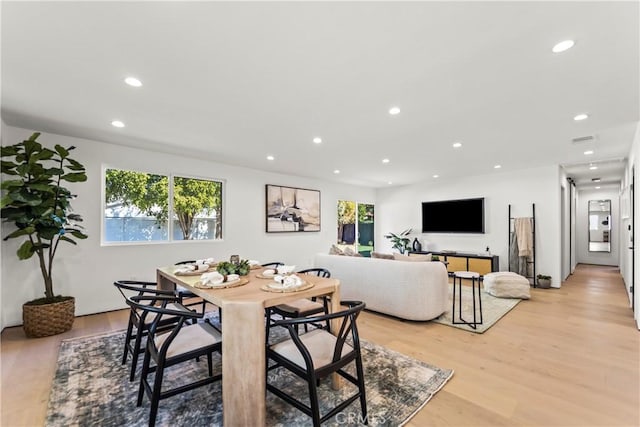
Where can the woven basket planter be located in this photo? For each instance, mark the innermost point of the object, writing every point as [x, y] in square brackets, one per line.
[48, 319]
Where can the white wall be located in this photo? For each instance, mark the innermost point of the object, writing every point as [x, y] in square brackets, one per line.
[88, 270]
[634, 162]
[582, 226]
[399, 208]
[567, 226]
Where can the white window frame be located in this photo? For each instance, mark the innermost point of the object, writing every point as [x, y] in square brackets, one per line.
[170, 226]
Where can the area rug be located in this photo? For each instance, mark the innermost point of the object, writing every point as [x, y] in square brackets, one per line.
[492, 310]
[91, 387]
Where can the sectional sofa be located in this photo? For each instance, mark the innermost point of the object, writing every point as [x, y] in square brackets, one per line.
[405, 289]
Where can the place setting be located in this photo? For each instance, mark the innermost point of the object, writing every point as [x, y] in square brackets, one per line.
[196, 268]
[215, 280]
[283, 279]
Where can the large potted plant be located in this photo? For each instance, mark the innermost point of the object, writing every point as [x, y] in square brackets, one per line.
[35, 201]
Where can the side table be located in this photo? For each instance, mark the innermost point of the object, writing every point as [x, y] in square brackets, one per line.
[457, 281]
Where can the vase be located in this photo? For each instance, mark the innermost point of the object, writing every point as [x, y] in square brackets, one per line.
[417, 246]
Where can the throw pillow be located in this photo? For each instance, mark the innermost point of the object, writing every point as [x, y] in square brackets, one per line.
[421, 257]
[412, 258]
[349, 251]
[334, 250]
[381, 255]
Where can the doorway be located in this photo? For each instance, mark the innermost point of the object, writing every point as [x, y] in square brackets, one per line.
[356, 226]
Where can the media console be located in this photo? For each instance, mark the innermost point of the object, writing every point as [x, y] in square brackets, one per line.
[461, 261]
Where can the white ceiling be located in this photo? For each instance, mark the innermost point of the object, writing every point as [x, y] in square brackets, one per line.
[235, 82]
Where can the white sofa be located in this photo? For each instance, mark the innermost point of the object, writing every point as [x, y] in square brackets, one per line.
[406, 289]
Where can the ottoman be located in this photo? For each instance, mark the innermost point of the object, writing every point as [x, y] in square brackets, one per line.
[506, 284]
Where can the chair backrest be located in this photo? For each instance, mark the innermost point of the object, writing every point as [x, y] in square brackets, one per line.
[273, 264]
[320, 272]
[347, 327]
[135, 288]
[147, 304]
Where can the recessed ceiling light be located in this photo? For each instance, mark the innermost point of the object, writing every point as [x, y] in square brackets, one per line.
[562, 46]
[588, 152]
[337, 171]
[394, 110]
[457, 144]
[132, 81]
[270, 158]
[593, 168]
[581, 116]
[117, 123]
[389, 182]
[595, 179]
[598, 187]
[385, 160]
[317, 140]
[436, 176]
[497, 166]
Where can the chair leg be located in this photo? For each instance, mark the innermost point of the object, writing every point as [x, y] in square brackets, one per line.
[136, 353]
[313, 400]
[143, 376]
[155, 396]
[210, 364]
[267, 324]
[127, 338]
[361, 389]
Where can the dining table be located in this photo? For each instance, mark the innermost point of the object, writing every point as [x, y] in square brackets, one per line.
[244, 334]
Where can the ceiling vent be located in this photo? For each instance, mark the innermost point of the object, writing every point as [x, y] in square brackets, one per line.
[583, 139]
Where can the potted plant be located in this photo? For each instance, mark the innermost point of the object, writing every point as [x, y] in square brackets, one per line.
[35, 201]
[544, 281]
[400, 241]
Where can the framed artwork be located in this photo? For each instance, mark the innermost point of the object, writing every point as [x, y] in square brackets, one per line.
[290, 209]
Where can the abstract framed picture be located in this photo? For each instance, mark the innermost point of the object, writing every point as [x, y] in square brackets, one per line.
[290, 209]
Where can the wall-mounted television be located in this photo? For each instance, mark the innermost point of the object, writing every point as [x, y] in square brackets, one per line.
[453, 216]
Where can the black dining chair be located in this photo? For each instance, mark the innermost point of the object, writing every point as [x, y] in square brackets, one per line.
[140, 321]
[184, 293]
[183, 342]
[317, 354]
[274, 264]
[302, 307]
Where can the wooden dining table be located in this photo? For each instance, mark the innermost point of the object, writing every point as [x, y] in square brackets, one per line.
[243, 336]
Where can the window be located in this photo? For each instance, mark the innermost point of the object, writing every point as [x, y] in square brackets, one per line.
[137, 207]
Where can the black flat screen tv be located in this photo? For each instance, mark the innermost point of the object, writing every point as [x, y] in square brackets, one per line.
[453, 216]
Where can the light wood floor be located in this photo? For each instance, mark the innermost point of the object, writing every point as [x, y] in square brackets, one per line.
[567, 357]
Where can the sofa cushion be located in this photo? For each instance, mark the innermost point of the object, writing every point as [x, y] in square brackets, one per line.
[420, 257]
[412, 257]
[506, 284]
[381, 255]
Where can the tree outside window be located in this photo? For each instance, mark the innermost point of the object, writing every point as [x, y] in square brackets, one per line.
[137, 207]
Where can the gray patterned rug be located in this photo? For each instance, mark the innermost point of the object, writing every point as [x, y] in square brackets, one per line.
[91, 387]
[493, 309]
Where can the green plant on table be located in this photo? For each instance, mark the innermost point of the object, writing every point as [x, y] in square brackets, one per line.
[242, 268]
[400, 241]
